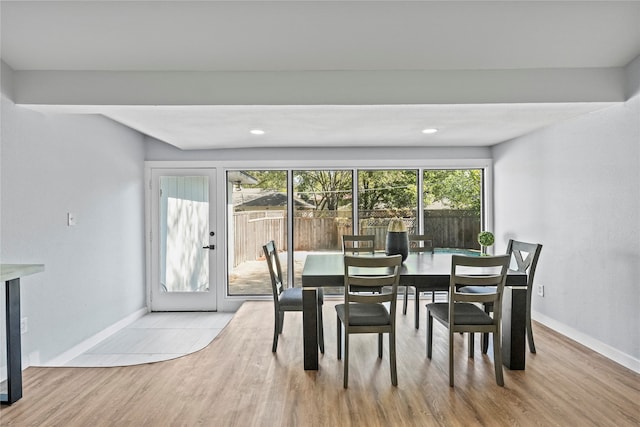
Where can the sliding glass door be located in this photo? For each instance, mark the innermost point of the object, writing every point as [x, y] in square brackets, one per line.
[452, 200]
[383, 195]
[257, 203]
[309, 210]
[322, 213]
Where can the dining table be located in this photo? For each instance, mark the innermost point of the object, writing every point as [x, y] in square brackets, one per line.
[429, 270]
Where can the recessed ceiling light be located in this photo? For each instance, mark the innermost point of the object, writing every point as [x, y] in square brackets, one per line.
[257, 131]
[429, 131]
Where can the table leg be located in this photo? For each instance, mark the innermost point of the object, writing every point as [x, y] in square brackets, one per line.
[14, 351]
[310, 327]
[514, 306]
[417, 308]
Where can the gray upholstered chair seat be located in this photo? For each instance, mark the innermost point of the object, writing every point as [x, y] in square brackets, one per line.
[464, 313]
[291, 299]
[364, 315]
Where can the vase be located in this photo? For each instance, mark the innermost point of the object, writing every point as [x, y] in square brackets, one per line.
[397, 244]
[397, 239]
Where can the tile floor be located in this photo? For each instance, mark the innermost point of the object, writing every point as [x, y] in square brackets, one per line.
[155, 337]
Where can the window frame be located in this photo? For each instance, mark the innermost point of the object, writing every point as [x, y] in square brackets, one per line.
[232, 302]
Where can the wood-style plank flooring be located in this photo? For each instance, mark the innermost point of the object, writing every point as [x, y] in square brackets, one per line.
[237, 381]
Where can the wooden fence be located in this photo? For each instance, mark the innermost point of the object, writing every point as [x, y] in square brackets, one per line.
[449, 229]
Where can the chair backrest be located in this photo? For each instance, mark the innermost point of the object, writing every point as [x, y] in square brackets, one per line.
[370, 272]
[275, 270]
[487, 271]
[420, 243]
[352, 244]
[525, 263]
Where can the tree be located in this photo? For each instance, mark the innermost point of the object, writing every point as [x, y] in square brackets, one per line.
[326, 189]
[456, 188]
[379, 189]
[269, 180]
[387, 189]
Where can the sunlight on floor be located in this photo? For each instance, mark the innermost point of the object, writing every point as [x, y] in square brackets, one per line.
[155, 337]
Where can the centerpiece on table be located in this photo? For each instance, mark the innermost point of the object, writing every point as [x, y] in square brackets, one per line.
[486, 239]
[397, 239]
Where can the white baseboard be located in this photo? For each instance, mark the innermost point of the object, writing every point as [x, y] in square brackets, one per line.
[606, 350]
[85, 345]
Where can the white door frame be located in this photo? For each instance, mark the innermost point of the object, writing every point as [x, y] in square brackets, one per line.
[160, 300]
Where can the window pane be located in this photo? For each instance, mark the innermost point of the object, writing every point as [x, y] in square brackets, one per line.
[322, 213]
[386, 194]
[184, 226]
[259, 214]
[452, 207]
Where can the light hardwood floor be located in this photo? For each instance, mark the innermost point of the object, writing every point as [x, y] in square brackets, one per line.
[237, 381]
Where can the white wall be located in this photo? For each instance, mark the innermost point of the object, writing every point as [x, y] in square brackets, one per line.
[94, 271]
[575, 188]
[157, 150]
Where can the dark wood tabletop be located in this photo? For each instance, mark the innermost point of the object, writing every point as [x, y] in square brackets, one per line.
[426, 269]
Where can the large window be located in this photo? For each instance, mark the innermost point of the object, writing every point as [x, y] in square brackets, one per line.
[322, 213]
[452, 213]
[307, 211]
[258, 201]
[383, 195]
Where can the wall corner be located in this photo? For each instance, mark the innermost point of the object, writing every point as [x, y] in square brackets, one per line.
[6, 80]
[632, 78]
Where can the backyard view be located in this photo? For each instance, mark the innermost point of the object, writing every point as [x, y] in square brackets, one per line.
[323, 211]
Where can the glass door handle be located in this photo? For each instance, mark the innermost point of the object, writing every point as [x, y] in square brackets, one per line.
[211, 247]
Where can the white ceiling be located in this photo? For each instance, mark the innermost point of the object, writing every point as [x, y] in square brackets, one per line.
[327, 36]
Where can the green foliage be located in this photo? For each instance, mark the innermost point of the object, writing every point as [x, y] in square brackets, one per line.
[269, 180]
[384, 189]
[456, 188]
[325, 189]
[485, 238]
[378, 189]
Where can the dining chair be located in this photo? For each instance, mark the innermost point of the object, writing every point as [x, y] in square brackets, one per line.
[360, 245]
[418, 243]
[524, 258]
[287, 299]
[369, 313]
[462, 314]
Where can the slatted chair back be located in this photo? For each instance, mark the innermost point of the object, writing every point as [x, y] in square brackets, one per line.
[358, 244]
[489, 272]
[420, 243]
[369, 272]
[525, 255]
[275, 269]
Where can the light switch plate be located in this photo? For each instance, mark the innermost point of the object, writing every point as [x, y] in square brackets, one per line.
[71, 219]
